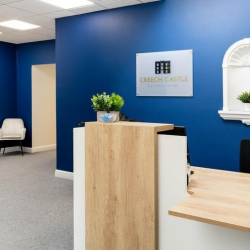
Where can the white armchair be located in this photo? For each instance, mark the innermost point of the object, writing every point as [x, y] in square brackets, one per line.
[12, 130]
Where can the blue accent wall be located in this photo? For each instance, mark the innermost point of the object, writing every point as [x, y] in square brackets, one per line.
[29, 54]
[7, 81]
[97, 52]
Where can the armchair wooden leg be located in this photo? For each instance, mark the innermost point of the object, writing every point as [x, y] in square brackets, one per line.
[21, 147]
[1, 144]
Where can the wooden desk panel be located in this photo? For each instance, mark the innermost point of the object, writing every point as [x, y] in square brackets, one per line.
[121, 186]
[219, 198]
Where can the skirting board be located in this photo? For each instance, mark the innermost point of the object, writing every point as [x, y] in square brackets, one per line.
[31, 150]
[64, 174]
[11, 149]
[39, 149]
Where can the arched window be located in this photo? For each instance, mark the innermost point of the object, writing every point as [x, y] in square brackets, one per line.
[236, 79]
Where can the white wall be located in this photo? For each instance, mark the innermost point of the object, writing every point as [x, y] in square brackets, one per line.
[238, 82]
[44, 106]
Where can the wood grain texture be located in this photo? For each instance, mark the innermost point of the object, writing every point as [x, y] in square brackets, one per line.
[121, 185]
[219, 198]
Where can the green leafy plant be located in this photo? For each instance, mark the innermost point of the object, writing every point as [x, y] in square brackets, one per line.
[244, 97]
[117, 102]
[101, 102]
[106, 102]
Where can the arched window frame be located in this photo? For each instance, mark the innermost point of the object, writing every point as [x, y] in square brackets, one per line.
[238, 55]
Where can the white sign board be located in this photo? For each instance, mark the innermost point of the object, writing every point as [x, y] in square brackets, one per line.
[165, 73]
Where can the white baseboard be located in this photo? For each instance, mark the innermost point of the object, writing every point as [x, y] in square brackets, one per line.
[39, 149]
[11, 149]
[64, 174]
[27, 150]
[30, 150]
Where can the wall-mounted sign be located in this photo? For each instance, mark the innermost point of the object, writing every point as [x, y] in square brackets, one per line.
[165, 73]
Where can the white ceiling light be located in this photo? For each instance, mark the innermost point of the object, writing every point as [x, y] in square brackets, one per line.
[66, 4]
[19, 25]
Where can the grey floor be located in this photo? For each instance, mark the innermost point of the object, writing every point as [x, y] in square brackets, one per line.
[36, 209]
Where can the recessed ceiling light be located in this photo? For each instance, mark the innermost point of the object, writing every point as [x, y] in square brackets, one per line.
[19, 25]
[66, 4]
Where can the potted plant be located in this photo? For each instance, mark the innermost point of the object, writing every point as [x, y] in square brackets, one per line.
[117, 103]
[245, 98]
[107, 107]
[101, 104]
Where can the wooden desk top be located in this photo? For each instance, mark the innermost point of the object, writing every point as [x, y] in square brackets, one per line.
[158, 126]
[219, 198]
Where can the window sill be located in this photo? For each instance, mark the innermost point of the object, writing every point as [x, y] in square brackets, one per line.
[243, 116]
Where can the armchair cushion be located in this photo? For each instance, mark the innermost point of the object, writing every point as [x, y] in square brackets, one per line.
[11, 137]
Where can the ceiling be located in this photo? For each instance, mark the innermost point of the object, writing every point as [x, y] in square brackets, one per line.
[44, 15]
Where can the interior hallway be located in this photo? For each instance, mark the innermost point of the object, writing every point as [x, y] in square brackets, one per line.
[36, 209]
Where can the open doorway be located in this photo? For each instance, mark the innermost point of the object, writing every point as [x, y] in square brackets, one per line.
[43, 107]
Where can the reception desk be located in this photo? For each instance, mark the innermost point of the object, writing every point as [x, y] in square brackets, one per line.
[128, 182]
[219, 198]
